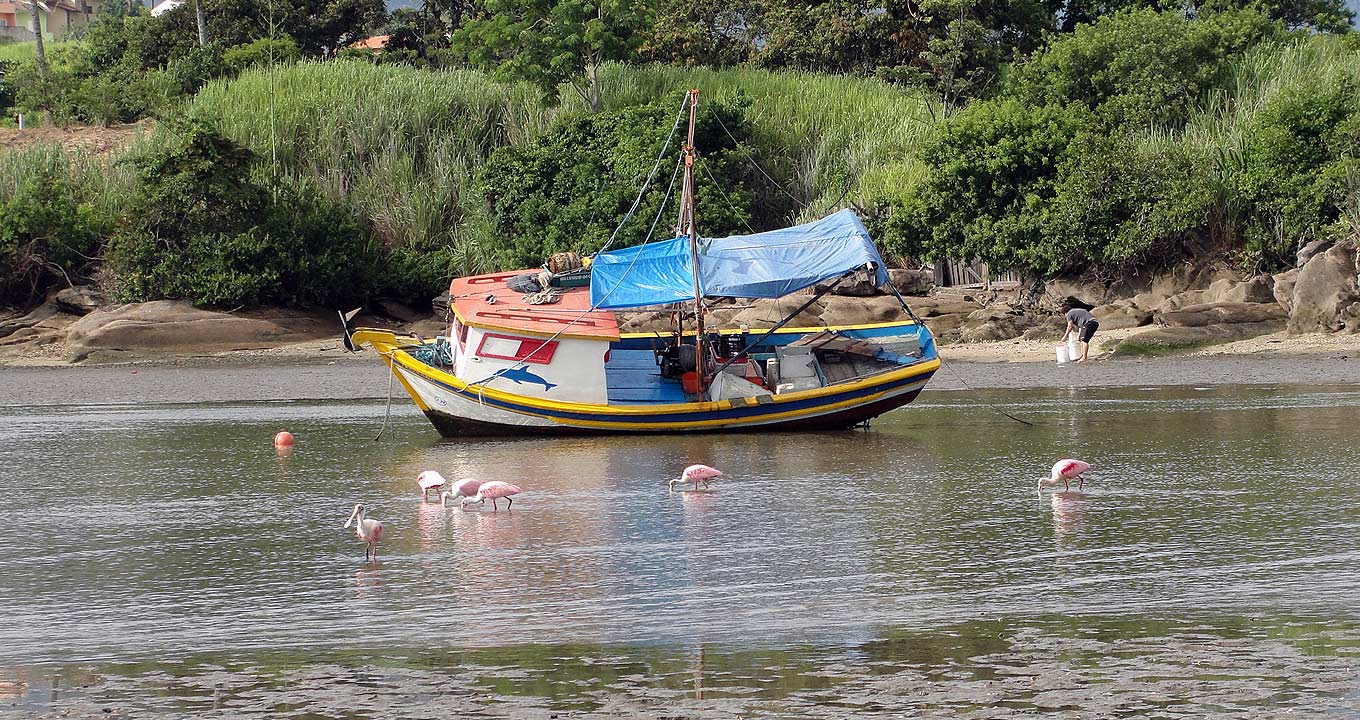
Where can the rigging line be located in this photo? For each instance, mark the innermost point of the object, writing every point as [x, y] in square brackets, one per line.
[755, 165]
[723, 192]
[650, 176]
[978, 396]
[594, 306]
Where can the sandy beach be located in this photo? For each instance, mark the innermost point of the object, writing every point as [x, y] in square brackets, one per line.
[322, 370]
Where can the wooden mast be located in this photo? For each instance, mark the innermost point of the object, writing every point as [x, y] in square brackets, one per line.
[686, 227]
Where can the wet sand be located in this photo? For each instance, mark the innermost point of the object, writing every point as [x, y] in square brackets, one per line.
[334, 375]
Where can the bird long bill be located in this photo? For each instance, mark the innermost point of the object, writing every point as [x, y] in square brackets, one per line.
[352, 515]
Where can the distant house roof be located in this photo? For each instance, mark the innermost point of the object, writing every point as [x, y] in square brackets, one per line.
[163, 6]
[377, 42]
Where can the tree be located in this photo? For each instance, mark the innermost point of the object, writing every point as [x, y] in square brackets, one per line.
[40, 55]
[713, 33]
[550, 42]
[320, 27]
[1325, 15]
[1140, 68]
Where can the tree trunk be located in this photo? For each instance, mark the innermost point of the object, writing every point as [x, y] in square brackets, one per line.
[40, 54]
[202, 24]
[593, 72]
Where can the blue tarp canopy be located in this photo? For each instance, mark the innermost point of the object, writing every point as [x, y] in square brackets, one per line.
[764, 265]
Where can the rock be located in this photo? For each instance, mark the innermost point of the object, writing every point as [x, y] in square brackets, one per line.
[440, 305]
[936, 306]
[944, 327]
[1351, 317]
[845, 311]
[911, 282]
[1283, 288]
[1087, 289]
[168, 326]
[398, 311]
[39, 314]
[994, 323]
[1047, 327]
[1260, 289]
[1325, 286]
[80, 299]
[1224, 314]
[766, 313]
[1311, 250]
[1188, 338]
[1119, 315]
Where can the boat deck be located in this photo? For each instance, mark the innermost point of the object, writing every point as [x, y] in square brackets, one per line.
[633, 378]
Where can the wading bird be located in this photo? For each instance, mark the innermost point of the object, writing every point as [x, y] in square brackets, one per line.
[1065, 471]
[368, 530]
[696, 474]
[493, 490]
[465, 488]
[429, 480]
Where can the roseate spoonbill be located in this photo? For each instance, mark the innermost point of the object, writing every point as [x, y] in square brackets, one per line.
[696, 474]
[493, 490]
[465, 488]
[368, 530]
[1065, 471]
[429, 480]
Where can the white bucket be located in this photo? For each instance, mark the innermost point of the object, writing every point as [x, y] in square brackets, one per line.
[1062, 354]
[1073, 347]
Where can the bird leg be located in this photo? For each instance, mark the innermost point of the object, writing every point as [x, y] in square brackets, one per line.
[1066, 487]
[1081, 479]
[494, 507]
[508, 502]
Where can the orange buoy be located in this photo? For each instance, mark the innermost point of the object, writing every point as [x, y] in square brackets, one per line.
[283, 439]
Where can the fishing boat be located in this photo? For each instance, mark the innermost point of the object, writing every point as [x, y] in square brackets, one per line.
[553, 361]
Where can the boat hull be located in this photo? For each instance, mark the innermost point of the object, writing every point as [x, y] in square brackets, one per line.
[457, 409]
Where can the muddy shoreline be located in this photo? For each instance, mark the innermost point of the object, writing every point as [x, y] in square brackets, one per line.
[329, 374]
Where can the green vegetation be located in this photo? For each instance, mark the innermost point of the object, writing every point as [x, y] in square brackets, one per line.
[1045, 136]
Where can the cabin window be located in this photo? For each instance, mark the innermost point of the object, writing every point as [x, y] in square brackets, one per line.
[512, 348]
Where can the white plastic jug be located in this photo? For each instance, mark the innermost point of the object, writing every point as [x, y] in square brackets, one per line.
[1073, 347]
[1062, 354]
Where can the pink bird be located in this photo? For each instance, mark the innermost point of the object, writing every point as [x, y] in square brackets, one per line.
[429, 480]
[493, 490]
[1065, 471]
[465, 488]
[368, 530]
[696, 474]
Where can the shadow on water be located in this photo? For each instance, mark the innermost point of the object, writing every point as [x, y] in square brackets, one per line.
[166, 559]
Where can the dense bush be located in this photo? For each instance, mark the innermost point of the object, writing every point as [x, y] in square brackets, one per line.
[201, 229]
[568, 190]
[1141, 68]
[49, 235]
[264, 51]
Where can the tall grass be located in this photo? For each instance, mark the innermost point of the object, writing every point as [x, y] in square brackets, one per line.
[105, 185]
[404, 145]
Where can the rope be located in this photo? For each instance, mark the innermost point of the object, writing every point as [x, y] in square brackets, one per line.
[752, 160]
[647, 183]
[725, 196]
[546, 296]
[391, 371]
[971, 389]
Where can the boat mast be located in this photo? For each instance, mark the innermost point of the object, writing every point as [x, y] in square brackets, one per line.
[686, 227]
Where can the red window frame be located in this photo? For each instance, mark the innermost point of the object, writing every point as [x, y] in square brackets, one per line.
[531, 350]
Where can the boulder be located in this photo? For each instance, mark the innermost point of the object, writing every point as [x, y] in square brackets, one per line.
[398, 311]
[859, 311]
[1311, 250]
[169, 326]
[1325, 286]
[766, 313]
[1087, 289]
[938, 305]
[440, 305]
[1283, 288]
[1121, 314]
[944, 327]
[1046, 327]
[859, 284]
[39, 314]
[80, 299]
[911, 282]
[1187, 338]
[1260, 289]
[1351, 317]
[1224, 314]
[991, 324]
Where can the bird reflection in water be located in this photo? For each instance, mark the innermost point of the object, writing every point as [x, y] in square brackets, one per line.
[431, 522]
[368, 578]
[697, 667]
[1069, 513]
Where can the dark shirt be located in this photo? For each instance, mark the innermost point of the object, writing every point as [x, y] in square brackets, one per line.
[1079, 317]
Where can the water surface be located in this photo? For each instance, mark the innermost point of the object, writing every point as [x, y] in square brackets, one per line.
[163, 559]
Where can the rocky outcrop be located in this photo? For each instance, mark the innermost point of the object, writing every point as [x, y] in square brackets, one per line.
[999, 322]
[1120, 315]
[1224, 314]
[80, 299]
[1283, 288]
[168, 326]
[1185, 338]
[1325, 287]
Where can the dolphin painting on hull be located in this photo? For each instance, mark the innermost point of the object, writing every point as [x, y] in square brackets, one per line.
[519, 376]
